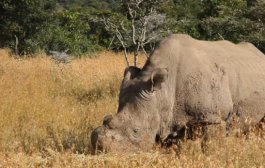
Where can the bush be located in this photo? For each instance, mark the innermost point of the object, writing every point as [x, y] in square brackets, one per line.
[69, 30]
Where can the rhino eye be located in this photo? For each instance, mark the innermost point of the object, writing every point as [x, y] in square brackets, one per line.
[135, 130]
[135, 135]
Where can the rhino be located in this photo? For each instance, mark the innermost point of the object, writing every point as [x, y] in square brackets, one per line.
[184, 83]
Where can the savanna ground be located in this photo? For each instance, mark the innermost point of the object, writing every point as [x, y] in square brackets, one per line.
[47, 112]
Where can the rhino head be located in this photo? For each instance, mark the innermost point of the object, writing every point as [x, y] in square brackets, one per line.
[135, 126]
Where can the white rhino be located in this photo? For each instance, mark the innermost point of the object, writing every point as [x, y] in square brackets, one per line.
[184, 83]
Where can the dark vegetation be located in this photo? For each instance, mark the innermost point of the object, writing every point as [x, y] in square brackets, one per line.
[30, 26]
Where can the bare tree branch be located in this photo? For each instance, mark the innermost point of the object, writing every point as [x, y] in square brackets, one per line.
[113, 38]
[145, 53]
[142, 26]
[16, 45]
[118, 35]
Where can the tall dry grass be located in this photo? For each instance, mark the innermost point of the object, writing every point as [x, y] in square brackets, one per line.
[47, 112]
[47, 105]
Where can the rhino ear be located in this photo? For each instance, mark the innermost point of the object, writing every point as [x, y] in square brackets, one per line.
[131, 72]
[158, 76]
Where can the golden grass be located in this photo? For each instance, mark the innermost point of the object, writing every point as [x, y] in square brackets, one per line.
[47, 112]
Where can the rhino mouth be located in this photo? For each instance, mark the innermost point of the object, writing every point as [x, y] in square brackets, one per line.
[103, 140]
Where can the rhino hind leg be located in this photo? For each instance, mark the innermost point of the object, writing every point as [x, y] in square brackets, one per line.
[247, 114]
[260, 128]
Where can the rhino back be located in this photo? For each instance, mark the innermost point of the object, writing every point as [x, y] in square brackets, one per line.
[207, 79]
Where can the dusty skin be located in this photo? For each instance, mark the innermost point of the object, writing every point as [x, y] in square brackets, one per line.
[184, 85]
[47, 112]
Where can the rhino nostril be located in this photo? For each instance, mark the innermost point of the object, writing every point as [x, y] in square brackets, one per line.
[108, 121]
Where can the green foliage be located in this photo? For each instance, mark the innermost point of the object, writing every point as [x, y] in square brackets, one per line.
[256, 14]
[40, 25]
[76, 24]
[69, 30]
[237, 22]
[22, 18]
[182, 16]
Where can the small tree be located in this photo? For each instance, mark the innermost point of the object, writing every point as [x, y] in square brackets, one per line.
[142, 25]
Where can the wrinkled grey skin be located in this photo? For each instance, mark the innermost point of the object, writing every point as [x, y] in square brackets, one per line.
[185, 82]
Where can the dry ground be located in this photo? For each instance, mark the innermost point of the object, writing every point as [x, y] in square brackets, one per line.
[47, 112]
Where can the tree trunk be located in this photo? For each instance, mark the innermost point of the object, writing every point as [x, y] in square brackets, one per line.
[16, 46]
[126, 57]
[136, 54]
